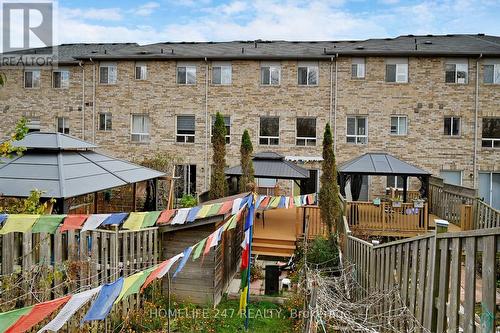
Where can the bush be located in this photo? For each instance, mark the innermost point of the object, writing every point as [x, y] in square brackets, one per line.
[323, 252]
[187, 201]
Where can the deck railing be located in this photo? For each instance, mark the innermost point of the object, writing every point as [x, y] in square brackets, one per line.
[365, 216]
[437, 276]
[486, 216]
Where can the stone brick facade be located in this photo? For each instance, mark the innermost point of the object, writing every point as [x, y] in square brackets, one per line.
[425, 100]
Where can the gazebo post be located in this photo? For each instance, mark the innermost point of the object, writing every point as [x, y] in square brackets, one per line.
[95, 202]
[155, 195]
[405, 188]
[134, 197]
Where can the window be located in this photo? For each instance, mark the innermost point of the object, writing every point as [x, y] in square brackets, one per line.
[395, 182]
[60, 79]
[185, 183]
[452, 126]
[492, 73]
[185, 129]
[399, 125]
[141, 71]
[306, 132]
[32, 78]
[105, 123]
[308, 74]
[107, 73]
[63, 125]
[358, 68]
[357, 131]
[227, 122]
[451, 177]
[396, 70]
[491, 133]
[489, 188]
[456, 71]
[140, 128]
[33, 124]
[266, 186]
[186, 74]
[269, 133]
[270, 74]
[221, 73]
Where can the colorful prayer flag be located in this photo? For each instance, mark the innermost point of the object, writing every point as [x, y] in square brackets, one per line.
[115, 219]
[39, 312]
[169, 265]
[3, 217]
[265, 202]
[69, 309]
[166, 216]
[184, 260]
[150, 219]
[236, 205]
[202, 213]
[281, 202]
[192, 214]
[226, 207]
[290, 203]
[198, 248]
[132, 284]
[214, 209]
[181, 216]
[18, 223]
[243, 299]
[48, 223]
[297, 201]
[7, 319]
[134, 221]
[72, 222]
[104, 302]
[94, 221]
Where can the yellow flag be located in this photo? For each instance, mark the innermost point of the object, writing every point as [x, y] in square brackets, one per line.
[134, 221]
[243, 299]
[19, 223]
[203, 212]
[128, 282]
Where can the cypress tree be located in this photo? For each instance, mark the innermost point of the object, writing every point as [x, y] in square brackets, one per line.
[218, 183]
[329, 192]
[247, 172]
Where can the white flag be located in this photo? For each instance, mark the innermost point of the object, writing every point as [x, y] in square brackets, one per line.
[169, 265]
[74, 304]
[94, 221]
[181, 216]
[236, 206]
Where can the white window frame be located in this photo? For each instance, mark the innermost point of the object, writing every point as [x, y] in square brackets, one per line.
[357, 137]
[495, 63]
[269, 138]
[451, 126]
[309, 67]
[61, 70]
[271, 67]
[106, 116]
[185, 137]
[398, 129]
[401, 70]
[189, 67]
[112, 73]
[308, 141]
[460, 65]
[65, 121]
[483, 139]
[38, 79]
[139, 137]
[397, 187]
[228, 136]
[222, 65]
[143, 71]
[358, 68]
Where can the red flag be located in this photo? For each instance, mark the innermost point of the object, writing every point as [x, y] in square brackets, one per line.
[154, 274]
[291, 204]
[72, 222]
[264, 203]
[226, 207]
[166, 216]
[40, 312]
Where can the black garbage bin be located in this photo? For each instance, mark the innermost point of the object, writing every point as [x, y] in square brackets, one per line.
[272, 280]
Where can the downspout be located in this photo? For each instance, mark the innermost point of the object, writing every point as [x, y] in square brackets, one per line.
[331, 92]
[93, 101]
[476, 112]
[206, 124]
[335, 106]
[83, 99]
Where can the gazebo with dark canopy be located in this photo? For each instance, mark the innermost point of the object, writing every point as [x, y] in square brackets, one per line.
[380, 164]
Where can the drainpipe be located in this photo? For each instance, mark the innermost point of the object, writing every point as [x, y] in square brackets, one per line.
[206, 124]
[335, 106]
[331, 92]
[83, 99]
[93, 100]
[476, 112]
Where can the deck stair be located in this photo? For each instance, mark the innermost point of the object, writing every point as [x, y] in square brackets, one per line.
[273, 247]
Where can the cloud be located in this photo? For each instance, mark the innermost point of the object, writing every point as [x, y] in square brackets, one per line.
[98, 14]
[146, 9]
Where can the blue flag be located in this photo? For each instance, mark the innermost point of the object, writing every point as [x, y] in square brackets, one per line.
[282, 202]
[104, 302]
[115, 219]
[3, 217]
[187, 253]
[192, 214]
[249, 219]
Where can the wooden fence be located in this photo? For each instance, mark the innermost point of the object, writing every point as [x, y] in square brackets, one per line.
[448, 281]
[316, 227]
[384, 219]
[69, 261]
[485, 216]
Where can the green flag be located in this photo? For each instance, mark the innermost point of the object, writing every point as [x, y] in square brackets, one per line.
[48, 223]
[7, 319]
[150, 219]
[199, 248]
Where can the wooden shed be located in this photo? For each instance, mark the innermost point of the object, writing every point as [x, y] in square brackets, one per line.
[205, 280]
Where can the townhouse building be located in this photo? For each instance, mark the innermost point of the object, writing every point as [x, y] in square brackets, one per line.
[433, 101]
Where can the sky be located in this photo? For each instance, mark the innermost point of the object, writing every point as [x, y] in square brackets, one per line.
[217, 20]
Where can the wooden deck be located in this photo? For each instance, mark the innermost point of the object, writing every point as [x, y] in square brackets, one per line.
[451, 227]
[274, 232]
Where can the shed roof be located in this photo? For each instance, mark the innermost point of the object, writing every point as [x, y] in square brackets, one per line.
[380, 164]
[272, 165]
[66, 168]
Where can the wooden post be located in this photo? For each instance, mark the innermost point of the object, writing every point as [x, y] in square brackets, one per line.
[95, 202]
[134, 197]
[405, 189]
